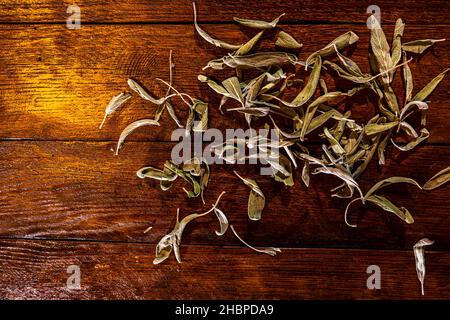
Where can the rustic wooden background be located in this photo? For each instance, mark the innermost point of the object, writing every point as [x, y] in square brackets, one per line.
[66, 199]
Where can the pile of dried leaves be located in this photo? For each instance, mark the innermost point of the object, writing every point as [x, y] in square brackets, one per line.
[260, 80]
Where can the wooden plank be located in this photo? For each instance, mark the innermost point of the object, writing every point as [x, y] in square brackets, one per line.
[80, 190]
[37, 270]
[353, 11]
[55, 83]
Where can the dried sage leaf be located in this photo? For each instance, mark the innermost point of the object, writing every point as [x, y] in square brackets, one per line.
[258, 24]
[115, 103]
[339, 43]
[256, 60]
[247, 47]
[387, 205]
[157, 174]
[208, 38]
[397, 41]
[256, 199]
[419, 46]
[419, 254]
[380, 49]
[309, 89]
[429, 88]
[386, 182]
[214, 85]
[233, 87]
[407, 76]
[285, 40]
[439, 179]
[376, 128]
[223, 221]
[131, 127]
[270, 251]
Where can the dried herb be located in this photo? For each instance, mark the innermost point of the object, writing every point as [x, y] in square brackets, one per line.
[131, 127]
[208, 38]
[285, 40]
[419, 46]
[270, 251]
[115, 103]
[419, 254]
[256, 199]
[439, 179]
[172, 240]
[258, 83]
[258, 24]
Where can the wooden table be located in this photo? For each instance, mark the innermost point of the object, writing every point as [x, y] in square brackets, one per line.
[67, 200]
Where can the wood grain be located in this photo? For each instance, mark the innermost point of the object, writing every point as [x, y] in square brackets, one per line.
[66, 199]
[157, 11]
[80, 190]
[55, 82]
[125, 271]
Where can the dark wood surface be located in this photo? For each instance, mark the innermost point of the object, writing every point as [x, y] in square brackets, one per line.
[66, 199]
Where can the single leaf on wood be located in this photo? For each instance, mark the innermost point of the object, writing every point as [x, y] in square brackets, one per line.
[258, 24]
[270, 251]
[131, 127]
[439, 179]
[208, 38]
[419, 46]
[429, 88]
[115, 103]
[419, 255]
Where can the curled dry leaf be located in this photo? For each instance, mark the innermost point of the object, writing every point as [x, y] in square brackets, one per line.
[247, 47]
[387, 205]
[439, 179]
[115, 103]
[270, 251]
[382, 202]
[419, 255]
[172, 240]
[153, 173]
[285, 40]
[223, 221]
[208, 38]
[256, 199]
[131, 127]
